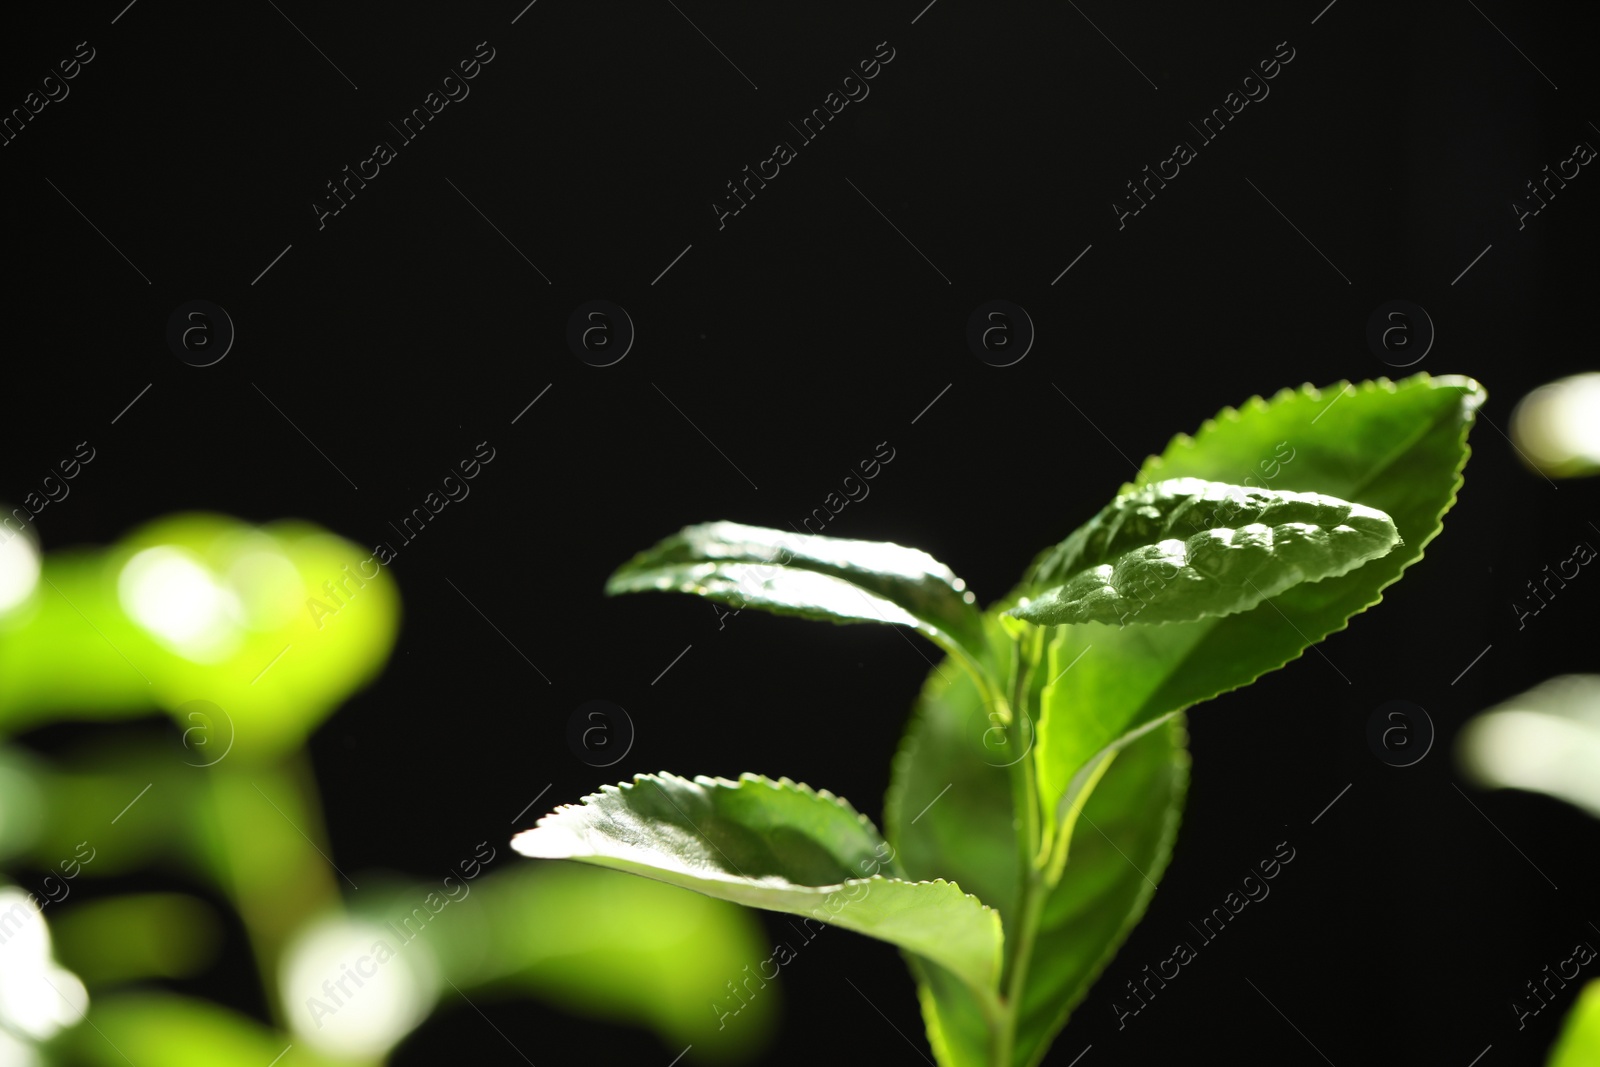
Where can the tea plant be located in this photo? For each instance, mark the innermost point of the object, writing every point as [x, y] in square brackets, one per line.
[1066, 707]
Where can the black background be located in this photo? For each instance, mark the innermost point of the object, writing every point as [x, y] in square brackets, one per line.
[797, 338]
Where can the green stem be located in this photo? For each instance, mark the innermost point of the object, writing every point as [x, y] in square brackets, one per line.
[1034, 893]
[1042, 861]
[1025, 787]
[1030, 848]
[273, 874]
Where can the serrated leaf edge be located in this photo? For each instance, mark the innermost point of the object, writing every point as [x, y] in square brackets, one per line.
[1234, 413]
[779, 784]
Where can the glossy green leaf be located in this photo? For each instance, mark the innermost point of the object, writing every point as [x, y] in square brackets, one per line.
[1579, 1043]
[948, 813]
[1186, 549]
[967, 834]
[815, 577]
[774, 845]
[1121, 842]
[1398, 447]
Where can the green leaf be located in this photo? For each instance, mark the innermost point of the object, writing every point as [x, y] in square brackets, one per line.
[163, 1030]
[1546, 740]
[136, 936]
[966, 833]
[948, 814]
[774, 845]
[815, 577]
[605, 945]
[1397, 447]
[1121, 842]
[1186, 549]
[97, 639]
[1579, 1044]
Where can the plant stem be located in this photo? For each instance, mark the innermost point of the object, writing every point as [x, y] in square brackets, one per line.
[1042, 862]
[1034, 893]
[1034, 890]
[267, 865]
[1025, 787]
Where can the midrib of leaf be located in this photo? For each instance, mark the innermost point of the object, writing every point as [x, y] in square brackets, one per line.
[1394, 454]
[1202, 629]
[1121, 734]
[1038, 884]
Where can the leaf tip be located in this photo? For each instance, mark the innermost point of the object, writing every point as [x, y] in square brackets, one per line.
[550, 840]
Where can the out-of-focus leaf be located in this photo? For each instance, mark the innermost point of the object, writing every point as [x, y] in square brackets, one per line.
[808, 575]
[51, 811]
[22, 801]
[1554, 427]
[1579, 1043]
[160, 1030]
[1397, 447]
[775, 845]
[352, 988]
[1186, 549]
[247, 829]
[609, 946]
[137, 935]
[1546, 740]
[271, 627]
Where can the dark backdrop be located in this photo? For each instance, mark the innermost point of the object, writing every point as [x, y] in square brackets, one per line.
[782, 348]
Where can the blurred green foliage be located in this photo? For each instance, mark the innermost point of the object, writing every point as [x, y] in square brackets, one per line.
[201, 607]
[248, 638]
[1546, 740]
[1579, 1044]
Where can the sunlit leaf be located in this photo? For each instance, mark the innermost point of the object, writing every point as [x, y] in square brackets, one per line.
[812, 576]
[1579, 1043]
[966, 833]
[948, 814]
[1397, 447]
[1121, 842]
[774, 845]
[1186, 549]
